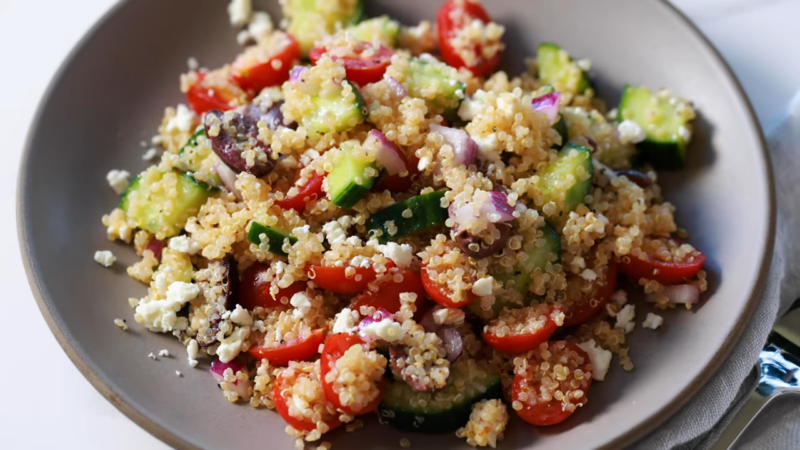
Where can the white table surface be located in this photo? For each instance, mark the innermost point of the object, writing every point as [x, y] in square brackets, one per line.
[54, 406]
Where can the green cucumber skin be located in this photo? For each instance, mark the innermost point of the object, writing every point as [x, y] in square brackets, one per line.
[537, 259]
[561, 128]
[426, 212]
[352, 194]
[663, 155]
[419, 70]
[343, 188]
[276, 238]
[193, 139]
[550, 47]
[341, 122]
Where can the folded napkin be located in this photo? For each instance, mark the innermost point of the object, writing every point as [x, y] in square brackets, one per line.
[698, 425]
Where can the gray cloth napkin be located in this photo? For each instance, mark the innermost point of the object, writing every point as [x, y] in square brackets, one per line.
[702, 421]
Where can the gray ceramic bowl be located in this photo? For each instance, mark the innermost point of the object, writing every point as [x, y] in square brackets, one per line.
[110, 95]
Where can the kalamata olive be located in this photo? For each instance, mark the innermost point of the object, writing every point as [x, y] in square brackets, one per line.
[274, 117]
[231, 134]
[465, 241]
[230, 282]
[635, 176]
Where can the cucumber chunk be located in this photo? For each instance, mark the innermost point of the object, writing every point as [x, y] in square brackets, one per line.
[557, 68]
[334, 112]
[437, 83]
[147, 202]
[546, 249]
[445, 410]
[275, 238]
[309, 21]
[574, 162]
[195, 151]
[351, 179]
[665, 121]
[378, 29]
[192, 142]
[426, 211]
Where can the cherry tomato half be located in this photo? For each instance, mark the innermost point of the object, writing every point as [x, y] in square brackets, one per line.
[584, 306]
[517, 343]
[539, 412]
[266, 64]
[308, 192]
[453, 17]
[300, 349]
[254, 289]
[284, 382]
[442, 294]
[335, 346]
[367, 67]
[213, 90]
[665, 272]
[388, 294]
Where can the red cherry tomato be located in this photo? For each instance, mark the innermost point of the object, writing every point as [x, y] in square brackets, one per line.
[308, 192]
[335, 346]
[584, 306]
[367, 66]
[665, 272]
[213, 90]
[254, 290]
[538, 411]
[334, 278]
[300, 349]
[284, 382]
[388, 294]
[516, 343]
[442, 294]
[398, 183]
[453, 17]
[266, 64]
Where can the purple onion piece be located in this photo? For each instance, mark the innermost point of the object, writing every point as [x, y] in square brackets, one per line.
[296, 72]
[157, 247]
[228, 178]
[681, 293]
[388, 155]
[547, 104]
[464, 240]
[498, 210]
[465, 149]
[236, 135]
[380, 315]
[397, 89]
[231, 281]
[236, 365]
[452, 341]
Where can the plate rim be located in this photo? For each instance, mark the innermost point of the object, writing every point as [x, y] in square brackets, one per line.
[139, 416]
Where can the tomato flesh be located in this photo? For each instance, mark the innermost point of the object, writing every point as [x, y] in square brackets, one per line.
[516, 344]
[665, 272]
[254, 289]
[388, 294]
[283, 382]
[298, 350]
[335, 346]
[213, 91]
[308, 192]
[454, 16]
[587, 306]
[266, 65]
[368, 67]
[443, 295]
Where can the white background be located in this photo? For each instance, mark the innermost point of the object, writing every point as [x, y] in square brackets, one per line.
[46, 403]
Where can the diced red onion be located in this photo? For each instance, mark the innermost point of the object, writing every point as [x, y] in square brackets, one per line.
[395, 85]
[547, 104]
[465, 149]
[380, 315]
[236, 365]
[228, 178]
[388, 155]
[296, 71]
[496, 210]
[273, 117]
[681, 293]
[452, 341]
[428, 321]
[157, 247]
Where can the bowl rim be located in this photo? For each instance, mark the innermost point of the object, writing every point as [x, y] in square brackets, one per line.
[142, 418]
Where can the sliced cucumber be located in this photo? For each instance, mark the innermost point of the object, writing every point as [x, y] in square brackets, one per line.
[437, 83]
[310, 22]
[557, 68]
[445, 410]
[425, 211]
[351, 179]
[334, 113]
[195, 151]
[192, 142]
[146, 200]
[546, 249]
[275, 238]
[561, 128]
[574, 161]
[378, 29]
[665, 121]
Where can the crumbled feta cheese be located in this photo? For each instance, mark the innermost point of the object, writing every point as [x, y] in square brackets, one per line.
[164, 353]
[162, 315]
[423, 163]
[483, 286]
[487, 146]
[185, 244]
[684, 133]
[259, 326]
[448, 316]
[345, 321]
[589, 275]
[150, 154]
[182, 121]
[121, 324]
[160, 282]
[360, 261]
[630, 132]
[241, 316]
[118, 180]
[301, 303]
[386, 329]
[191, 352]
[401, 254]
[133, 302]
[469, 109]
[625, 318]
[105, 258]
[336, 230]
[355, 241]
[260, 26]
[152, 356]
[239, 12]
[231, 346]
[192, 63]
[599, 357]
[652, 321]
[178, 373]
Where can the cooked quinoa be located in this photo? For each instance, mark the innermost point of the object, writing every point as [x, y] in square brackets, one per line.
[332, 235]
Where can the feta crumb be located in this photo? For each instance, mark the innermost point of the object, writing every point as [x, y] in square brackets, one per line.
[684, 133]
[630, 132]
[599, 357]
[301, 303]
[152, 356]
[121, 324]
[105, 258]
[185, 244]
[161, 315]
[386, 329]
[183, 120]
[241, 316]
[239, 12]
[192, 63]
[178, 373]
[259, 326]
[231, 346]
[335, 231]
[345, 321]
[469, 109]
[355, 241]
[118, 180]
[487, 146]
[164, 353]
[360, 261]
[191, 352]
[625, 318]
[448, 316]
[260, 26]
[401, 254]
[483, 287]
[589, 275]
[133, 302]
[423, 163]
[652, 321]
[150, 154]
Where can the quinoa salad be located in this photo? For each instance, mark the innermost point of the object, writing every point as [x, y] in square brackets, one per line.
[359, 216]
